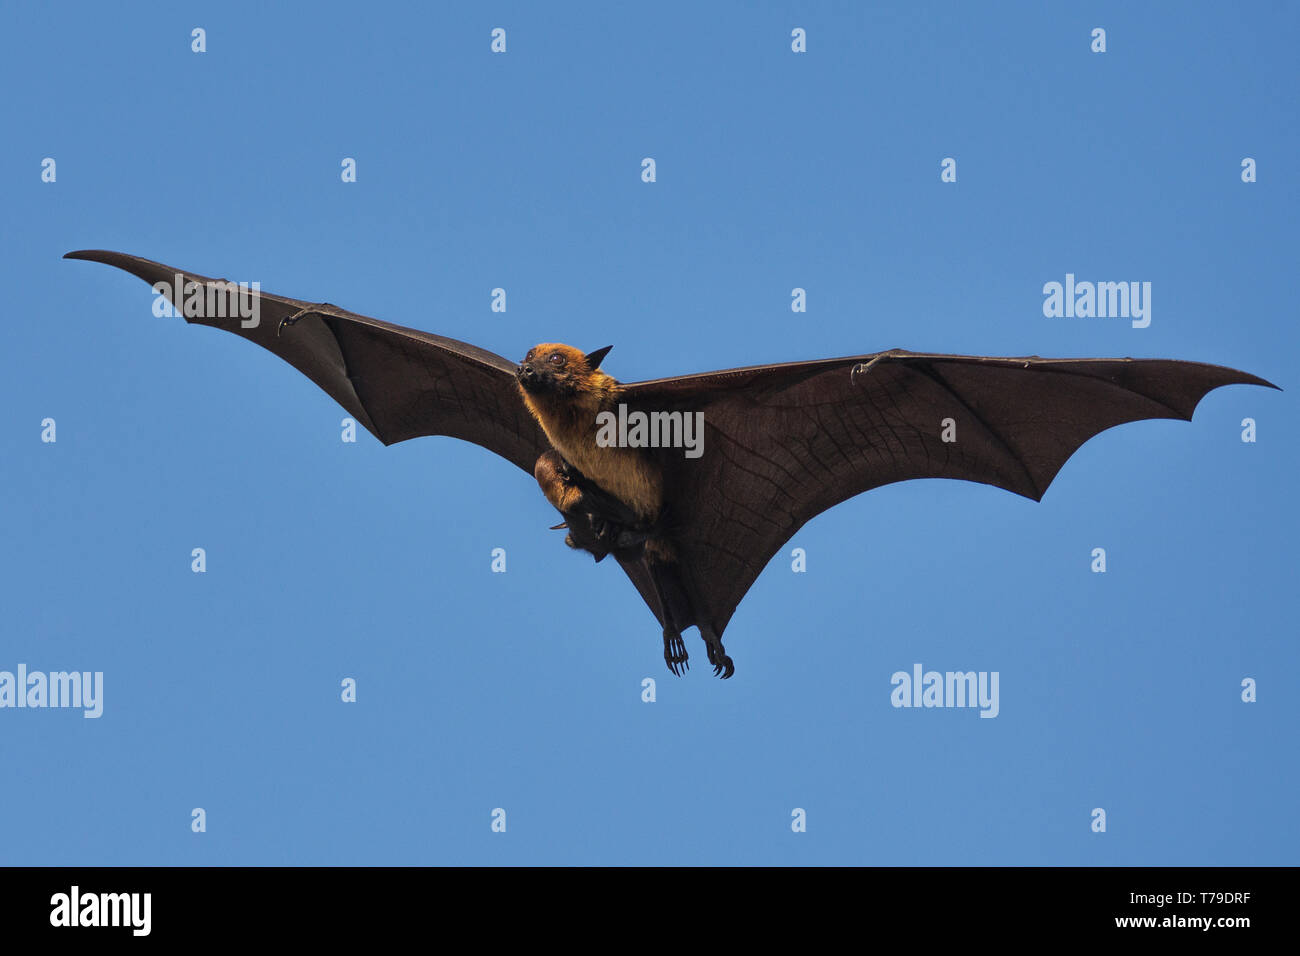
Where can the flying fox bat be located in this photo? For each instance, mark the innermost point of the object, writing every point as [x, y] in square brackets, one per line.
[693, 527]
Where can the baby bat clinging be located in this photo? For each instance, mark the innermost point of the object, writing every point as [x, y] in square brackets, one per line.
[781, 443]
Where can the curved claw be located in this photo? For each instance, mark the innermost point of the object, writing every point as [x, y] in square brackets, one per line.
[718, 657]
[675, 655]
[294, 319]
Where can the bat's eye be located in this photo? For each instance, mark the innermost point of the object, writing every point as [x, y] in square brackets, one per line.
[556, 359]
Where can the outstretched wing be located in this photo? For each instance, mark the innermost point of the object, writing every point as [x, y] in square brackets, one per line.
[782, 443]
[399, 383]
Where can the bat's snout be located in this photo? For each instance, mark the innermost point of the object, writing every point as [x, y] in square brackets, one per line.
[535, 377]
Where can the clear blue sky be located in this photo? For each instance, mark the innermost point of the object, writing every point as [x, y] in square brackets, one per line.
[523, 690]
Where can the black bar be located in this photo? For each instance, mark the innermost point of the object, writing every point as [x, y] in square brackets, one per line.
[368, 904]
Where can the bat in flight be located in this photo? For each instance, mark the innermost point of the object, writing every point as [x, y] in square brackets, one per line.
[694, 482]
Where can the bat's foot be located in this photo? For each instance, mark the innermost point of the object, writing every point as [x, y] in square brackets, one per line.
[722, 665]
[675, 652]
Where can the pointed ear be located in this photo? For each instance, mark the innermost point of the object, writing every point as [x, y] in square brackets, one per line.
[595, 358]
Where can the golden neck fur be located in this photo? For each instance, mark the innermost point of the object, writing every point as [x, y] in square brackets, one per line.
[569, 421]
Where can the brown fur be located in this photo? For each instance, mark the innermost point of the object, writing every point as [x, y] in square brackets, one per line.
[567, 413]
[563, 494]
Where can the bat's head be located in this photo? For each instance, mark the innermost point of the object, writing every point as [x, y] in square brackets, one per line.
[555, 369]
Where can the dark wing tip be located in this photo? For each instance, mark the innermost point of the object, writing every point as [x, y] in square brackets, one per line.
[1232, 376]
[146, 269]
[120, 259]
[102, 255]
[132, 264]
[1256, 380]
[1227, 375]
